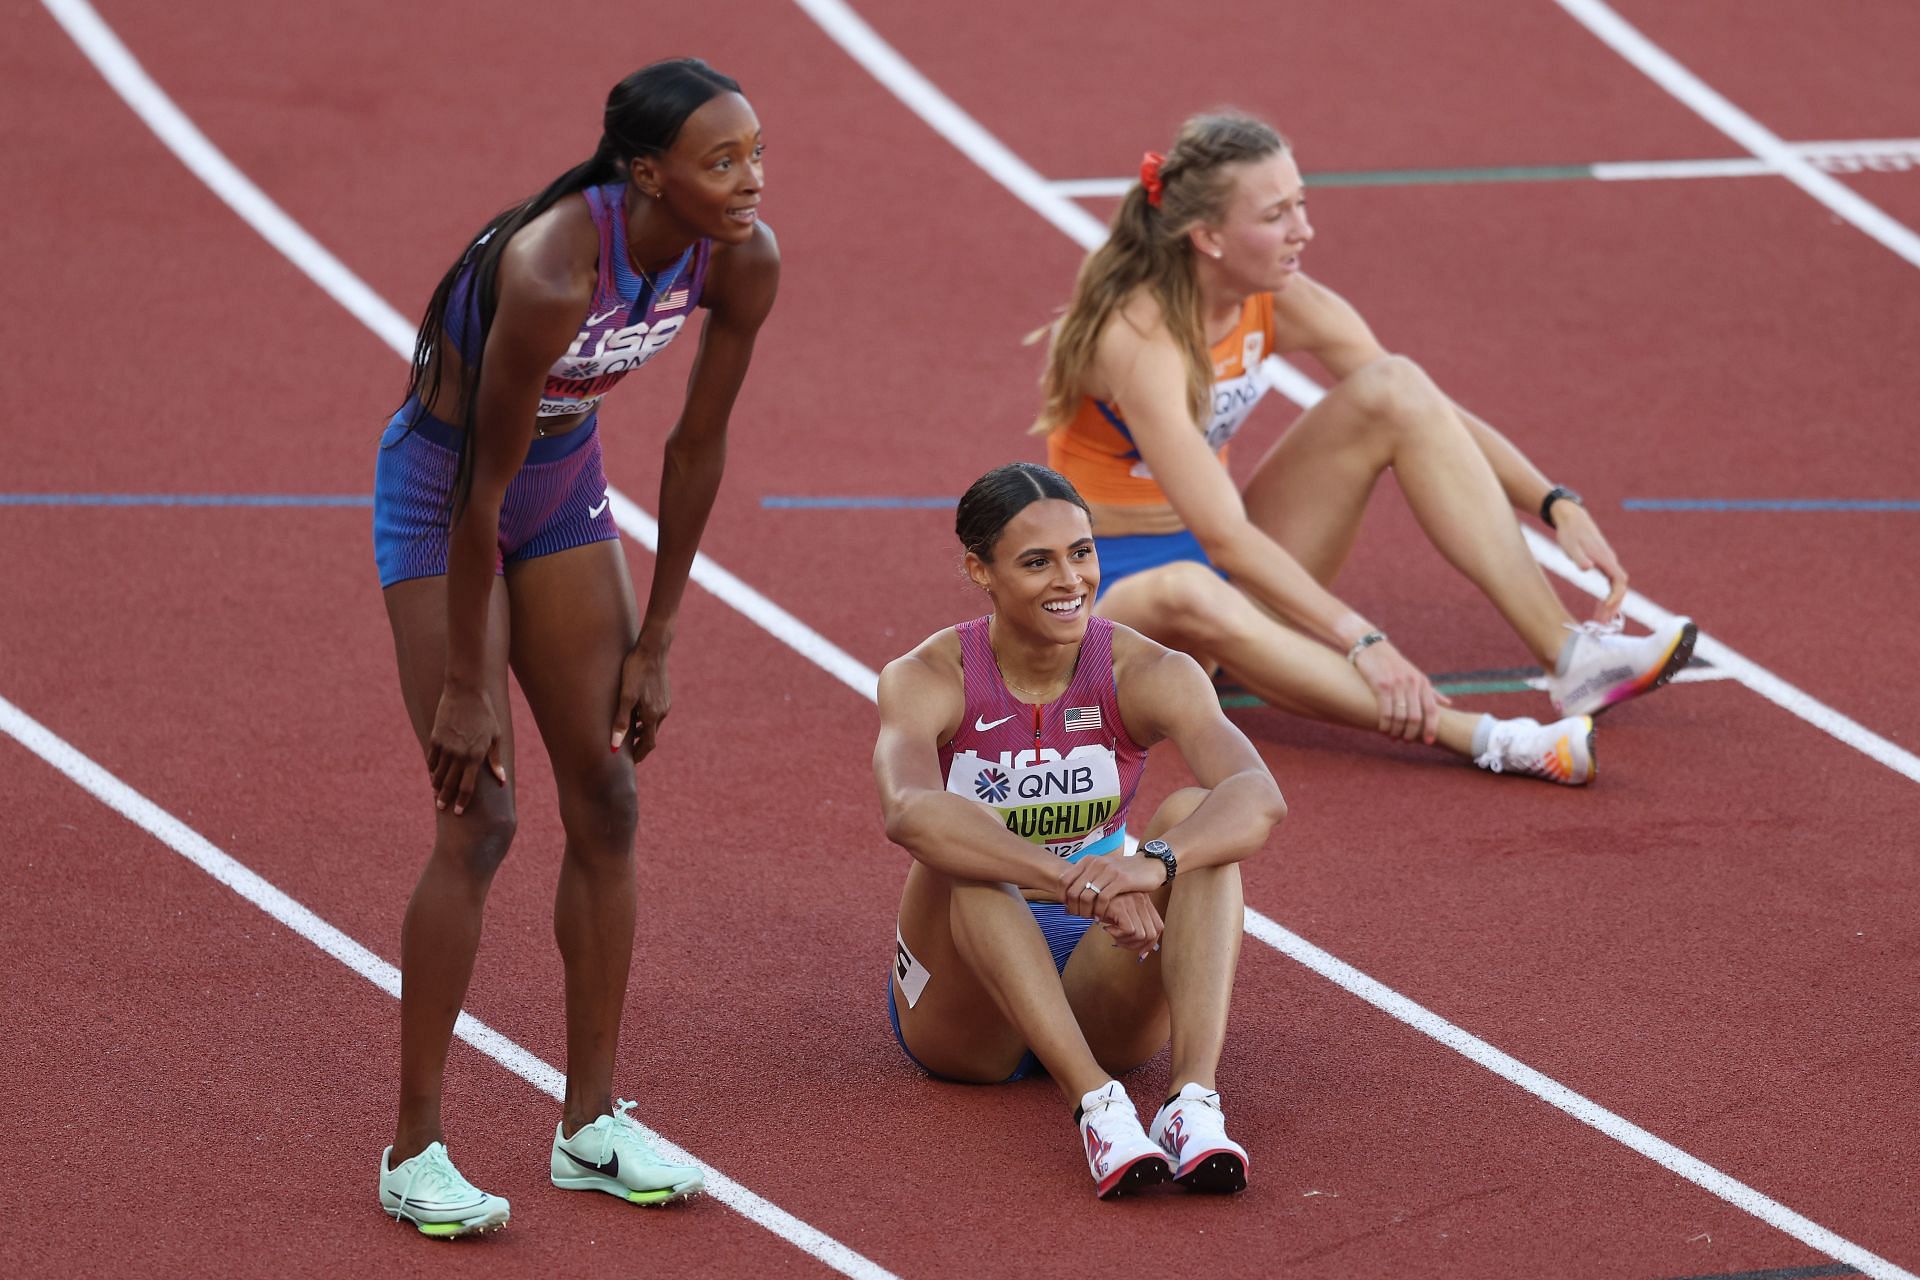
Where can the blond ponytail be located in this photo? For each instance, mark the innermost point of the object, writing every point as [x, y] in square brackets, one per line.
[1147, 247]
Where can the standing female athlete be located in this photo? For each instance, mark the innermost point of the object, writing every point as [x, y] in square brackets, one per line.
[1171, 318]
[1010, 750]
[496, 548]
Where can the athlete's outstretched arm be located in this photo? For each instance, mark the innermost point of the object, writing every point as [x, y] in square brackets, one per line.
[920, 707]
[1165, 696]
[740, 291]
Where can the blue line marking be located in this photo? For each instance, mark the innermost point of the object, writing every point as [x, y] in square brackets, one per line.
[186, 500]
[1771, 504]
[773, 502]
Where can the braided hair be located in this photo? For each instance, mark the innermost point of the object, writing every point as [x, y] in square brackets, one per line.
[1148, 247]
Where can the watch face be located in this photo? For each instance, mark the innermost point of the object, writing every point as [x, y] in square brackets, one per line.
[1154, 848]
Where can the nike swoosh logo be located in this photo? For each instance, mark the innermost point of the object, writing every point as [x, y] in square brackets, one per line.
[604, 315]
[611, 1168]
[981, 725]
[593, 513]
[441, 1206]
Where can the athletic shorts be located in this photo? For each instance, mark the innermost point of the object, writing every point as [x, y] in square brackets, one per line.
[556, 502]
[1062, 932]
[1128, 554]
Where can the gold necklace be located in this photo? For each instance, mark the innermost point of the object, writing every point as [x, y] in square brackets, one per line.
[1031, 693]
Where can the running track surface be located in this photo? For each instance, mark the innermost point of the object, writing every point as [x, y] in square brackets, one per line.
[1714, 942]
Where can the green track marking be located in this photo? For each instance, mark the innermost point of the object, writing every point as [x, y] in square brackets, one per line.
[1883, 155]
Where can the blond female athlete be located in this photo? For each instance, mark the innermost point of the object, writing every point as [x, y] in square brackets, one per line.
[1010, 750]
[1157, 364]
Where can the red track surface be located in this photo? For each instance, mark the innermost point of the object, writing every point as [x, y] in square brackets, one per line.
[1715, 941]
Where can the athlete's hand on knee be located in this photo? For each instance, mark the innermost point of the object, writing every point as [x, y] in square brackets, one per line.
[465, 737]
[1086, 885]
[1584, 544]
[644, 701]
[1409, 704]
[1133, 922]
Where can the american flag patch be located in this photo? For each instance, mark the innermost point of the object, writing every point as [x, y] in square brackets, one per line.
[675, 299]
[1081, 719]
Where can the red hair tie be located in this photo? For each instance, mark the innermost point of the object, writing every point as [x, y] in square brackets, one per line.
[1150, 176]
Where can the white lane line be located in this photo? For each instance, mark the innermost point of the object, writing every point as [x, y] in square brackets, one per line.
[1664, 70]
[1257, 924]
[146, 98]
[1583, 1109]
[202, 853]
[944, 116]
[150, 102]
[861, 42]
[1305, 392]
[1738, 666]
[1669, 170]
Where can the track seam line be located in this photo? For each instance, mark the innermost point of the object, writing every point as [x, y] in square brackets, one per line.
[1064, 215]
[1707, 103]
[276, 903]
[124, 73]
[914, 90]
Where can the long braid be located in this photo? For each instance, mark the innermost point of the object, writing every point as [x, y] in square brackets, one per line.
[643, 116]
[1148, 247]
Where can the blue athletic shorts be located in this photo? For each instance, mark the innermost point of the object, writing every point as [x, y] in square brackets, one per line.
[1132, 553]
[557, 501]
[1062, 932]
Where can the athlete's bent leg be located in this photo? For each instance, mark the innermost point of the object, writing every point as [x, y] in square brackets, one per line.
[1311, 490]
[1187, 607]
[441, 933]
[991, 989]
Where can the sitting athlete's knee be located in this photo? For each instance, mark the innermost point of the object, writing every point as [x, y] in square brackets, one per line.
[1392, 389]
[602, 819]
[1173, 811]
[1197, 606]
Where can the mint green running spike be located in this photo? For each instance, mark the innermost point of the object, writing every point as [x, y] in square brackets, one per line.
[615, 1154]
[431, 1194]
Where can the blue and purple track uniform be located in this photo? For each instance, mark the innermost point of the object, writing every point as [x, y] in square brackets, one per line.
[558, 500]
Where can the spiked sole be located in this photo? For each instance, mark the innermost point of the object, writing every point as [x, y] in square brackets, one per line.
[1147, 1171]
[1217, 1172]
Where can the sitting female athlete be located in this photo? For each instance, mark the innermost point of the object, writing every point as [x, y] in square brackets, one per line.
[1010, 751]
[496, 548]
[1155, 366]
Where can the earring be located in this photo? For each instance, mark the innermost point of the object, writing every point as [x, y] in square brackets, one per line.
[1216, 253]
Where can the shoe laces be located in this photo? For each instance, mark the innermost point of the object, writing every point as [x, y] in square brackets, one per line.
[1594, 629]
[442, 1180]
[1116, 1101]
[1503, 747]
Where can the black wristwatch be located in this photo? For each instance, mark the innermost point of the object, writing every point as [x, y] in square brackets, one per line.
[1162, 850]
[1554, 495]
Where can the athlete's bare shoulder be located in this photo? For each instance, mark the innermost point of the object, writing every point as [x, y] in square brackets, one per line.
[1134, 653]
[555, 257]
[938, 655]
[923, 689]
[1153, 682]
[1134, 338]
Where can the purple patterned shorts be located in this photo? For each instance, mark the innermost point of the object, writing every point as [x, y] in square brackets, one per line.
[557, 501]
